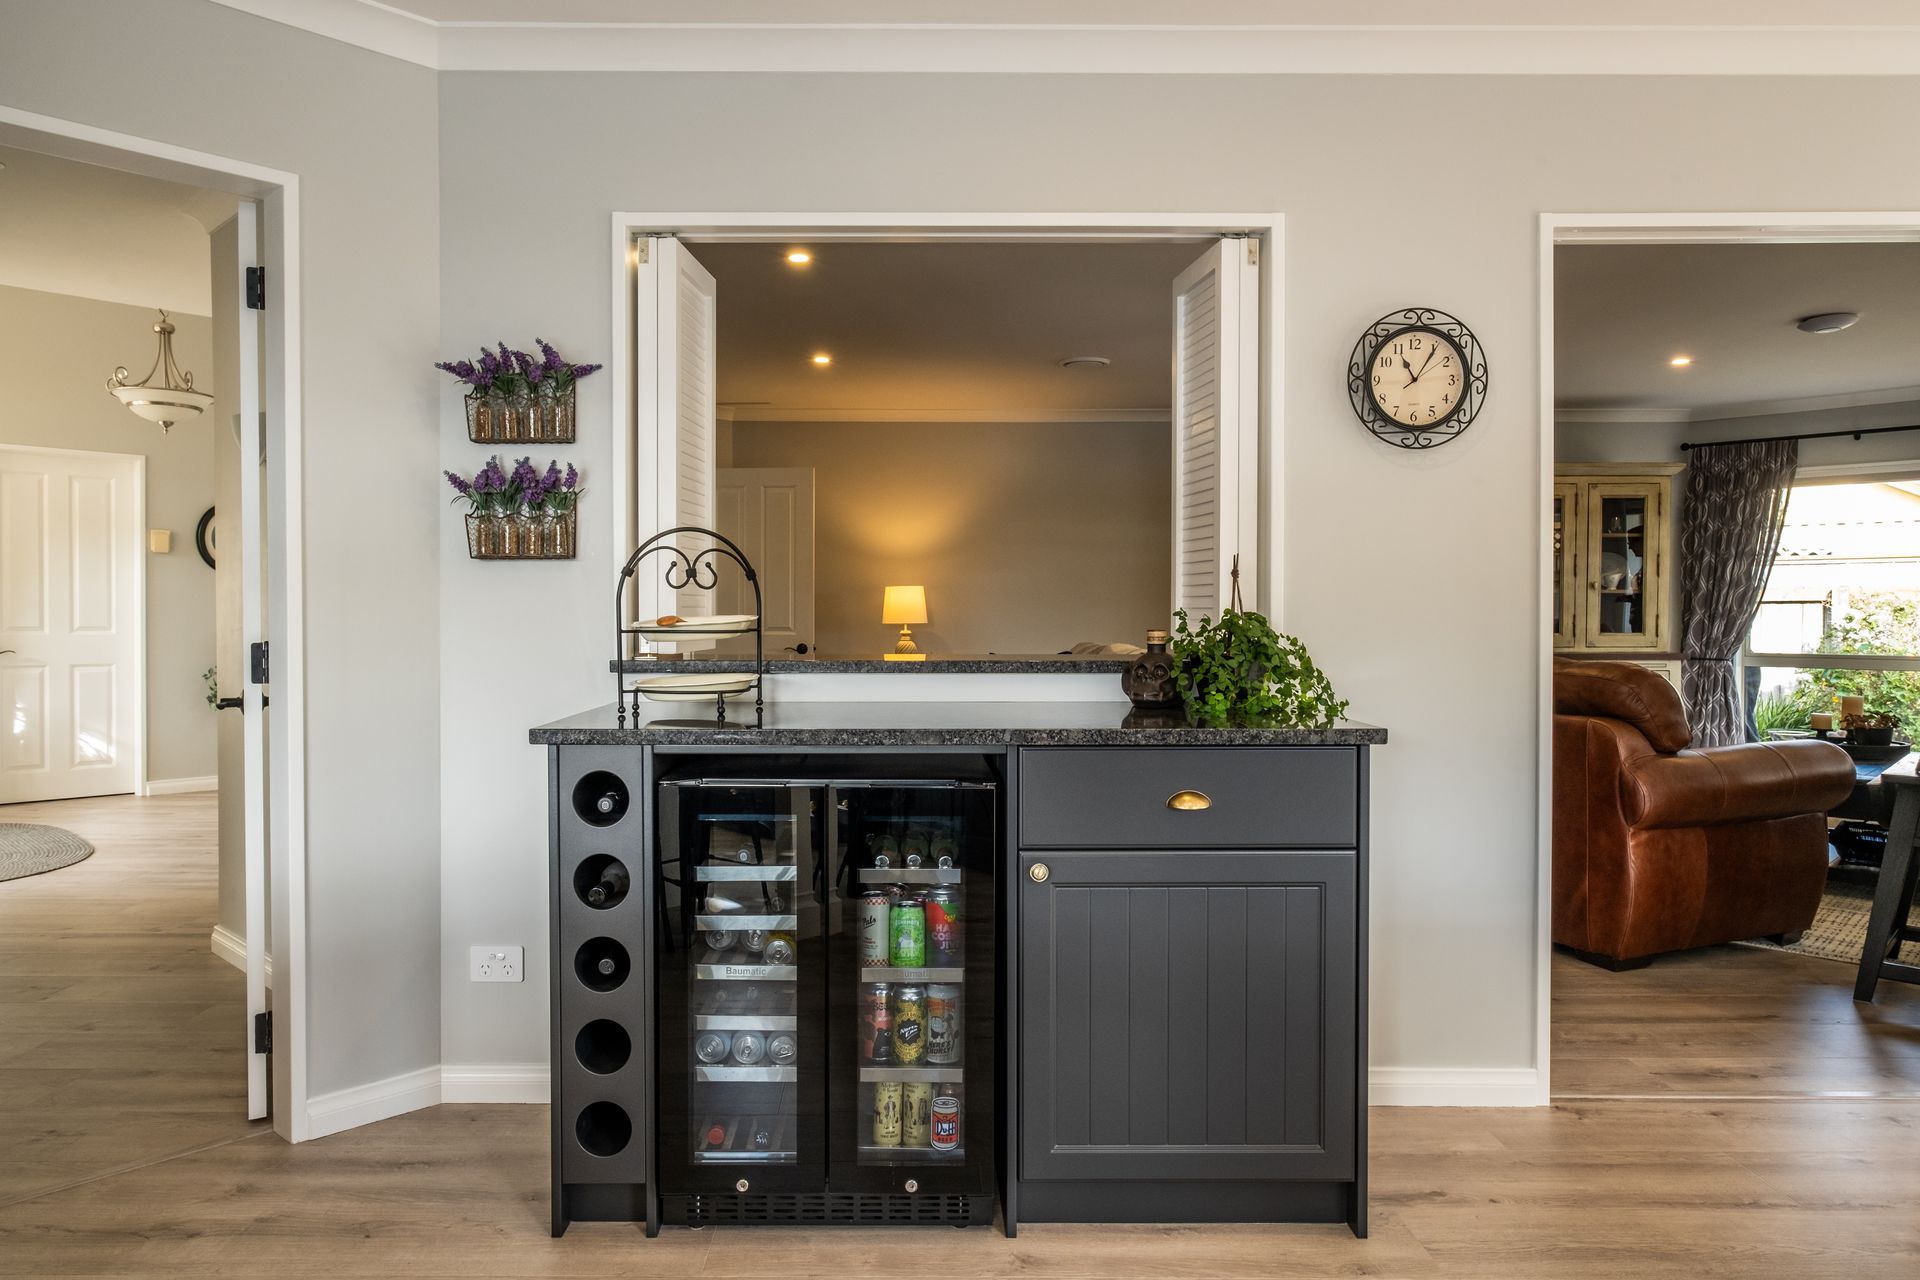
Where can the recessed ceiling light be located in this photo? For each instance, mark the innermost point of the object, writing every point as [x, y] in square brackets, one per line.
[822, 359]
[1827, 322]
[799, 257]
[1085, 362]
[1681, 362]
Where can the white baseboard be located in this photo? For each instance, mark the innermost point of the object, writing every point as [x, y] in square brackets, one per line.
[382, 1100]
[495, 1082]
[1454, 1087]
[180, 786]
[232, 948]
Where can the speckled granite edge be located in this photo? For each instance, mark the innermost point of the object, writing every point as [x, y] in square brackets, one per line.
[743, 735]
[865, 666]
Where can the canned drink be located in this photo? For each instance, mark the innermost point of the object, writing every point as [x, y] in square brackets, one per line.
[946, 1122]
[782, 1049]
[711, 1046]
[943, 1023]
[909, 1025]
[946, 926]
[876, 1024]
[749, 1047]
[875, 911]
[907, 934]
[916, 1114]
[722, 939]
[886, 1115]
[779, 948]
[754, 940]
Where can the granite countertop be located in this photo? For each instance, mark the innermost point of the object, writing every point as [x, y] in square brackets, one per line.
[925, 724]
[863, 663]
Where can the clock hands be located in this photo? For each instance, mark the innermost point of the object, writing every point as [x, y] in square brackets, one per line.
[1431, 353]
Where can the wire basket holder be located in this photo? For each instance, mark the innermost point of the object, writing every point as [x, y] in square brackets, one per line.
[699, 571]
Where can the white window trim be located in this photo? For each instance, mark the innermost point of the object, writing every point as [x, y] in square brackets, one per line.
[1260, 486]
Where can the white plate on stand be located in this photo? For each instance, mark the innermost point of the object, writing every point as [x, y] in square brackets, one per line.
[719, 624]
[693, 686]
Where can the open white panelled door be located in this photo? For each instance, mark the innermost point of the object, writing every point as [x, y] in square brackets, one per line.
[253, 634]
[1216, 427]
[678, 313]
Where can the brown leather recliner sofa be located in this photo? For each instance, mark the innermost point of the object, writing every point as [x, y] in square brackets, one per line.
[1659, 848]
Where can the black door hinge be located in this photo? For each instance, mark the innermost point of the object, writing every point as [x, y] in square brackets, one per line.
[256, 288]
[263, 1032]
[259, 653]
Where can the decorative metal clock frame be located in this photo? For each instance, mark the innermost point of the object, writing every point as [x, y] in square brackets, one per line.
[1426, 435]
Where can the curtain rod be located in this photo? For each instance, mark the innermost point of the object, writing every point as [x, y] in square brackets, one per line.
[1807, 435]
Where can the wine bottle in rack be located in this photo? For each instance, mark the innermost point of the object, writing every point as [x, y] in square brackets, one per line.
[613, 886]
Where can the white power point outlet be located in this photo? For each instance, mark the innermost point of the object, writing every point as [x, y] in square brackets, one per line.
[498, 964]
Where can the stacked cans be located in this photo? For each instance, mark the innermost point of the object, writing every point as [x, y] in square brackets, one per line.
[910, 1025]
[913, 1115]
[747, 1048]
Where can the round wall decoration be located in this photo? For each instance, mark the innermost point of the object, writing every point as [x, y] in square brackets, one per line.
[1417, 378]
[203, 537]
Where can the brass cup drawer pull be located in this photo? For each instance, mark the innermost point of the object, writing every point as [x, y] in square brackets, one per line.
[1189, 800]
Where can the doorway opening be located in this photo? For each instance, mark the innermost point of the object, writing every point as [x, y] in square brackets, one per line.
[1729, 536]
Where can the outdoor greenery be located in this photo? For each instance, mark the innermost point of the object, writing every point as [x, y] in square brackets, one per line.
[1887, 623]
[1239, 670]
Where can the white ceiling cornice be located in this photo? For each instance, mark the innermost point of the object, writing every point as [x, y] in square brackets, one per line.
[1746, 409]
[1172, 48]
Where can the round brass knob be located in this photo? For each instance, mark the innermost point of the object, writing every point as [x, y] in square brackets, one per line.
[1038, 872]
[740, 1185]
[913, 1184]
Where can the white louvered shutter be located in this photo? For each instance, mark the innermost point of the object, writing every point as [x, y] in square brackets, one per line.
[1216, 317]
[687, 319]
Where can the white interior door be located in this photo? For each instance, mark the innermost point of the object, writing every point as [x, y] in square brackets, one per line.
[679, 296]
[769, 512]
[1216, 437]
[253, 720]
[72, 581]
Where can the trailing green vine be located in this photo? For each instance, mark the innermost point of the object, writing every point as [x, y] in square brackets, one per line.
[1240, 670]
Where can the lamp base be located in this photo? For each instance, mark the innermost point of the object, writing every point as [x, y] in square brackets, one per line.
[906, 644]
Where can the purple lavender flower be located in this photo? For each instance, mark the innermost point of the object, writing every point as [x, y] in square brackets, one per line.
[582, 370]
[573, 478]
[551, 361]
[463, 487]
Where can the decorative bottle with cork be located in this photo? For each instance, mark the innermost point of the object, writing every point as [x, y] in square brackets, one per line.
[1149, 681]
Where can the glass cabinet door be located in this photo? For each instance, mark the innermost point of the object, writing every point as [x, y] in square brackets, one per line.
[1566, 563]
[1622, 587]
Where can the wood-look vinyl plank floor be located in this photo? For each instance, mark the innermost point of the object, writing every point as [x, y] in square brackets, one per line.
[122, 1150]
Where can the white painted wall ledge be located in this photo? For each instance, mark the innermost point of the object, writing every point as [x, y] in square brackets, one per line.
[181, 786]
[232, 948]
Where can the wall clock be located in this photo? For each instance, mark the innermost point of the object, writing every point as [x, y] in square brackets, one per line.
[1417, 378]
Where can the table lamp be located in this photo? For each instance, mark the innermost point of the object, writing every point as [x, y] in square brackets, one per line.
[904, 605]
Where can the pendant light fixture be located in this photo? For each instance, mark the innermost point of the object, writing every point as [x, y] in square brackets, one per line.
[168, 400]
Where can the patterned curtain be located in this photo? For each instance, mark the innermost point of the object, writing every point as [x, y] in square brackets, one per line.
[1736, 507]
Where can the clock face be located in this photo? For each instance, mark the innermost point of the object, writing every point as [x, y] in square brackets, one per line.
[1416, 377]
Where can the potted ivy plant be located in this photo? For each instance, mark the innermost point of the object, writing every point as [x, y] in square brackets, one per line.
[1237, 669]
[514, 396]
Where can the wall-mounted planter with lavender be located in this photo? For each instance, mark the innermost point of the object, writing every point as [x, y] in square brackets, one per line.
[542, 537]
[546, 417]
[522, 514]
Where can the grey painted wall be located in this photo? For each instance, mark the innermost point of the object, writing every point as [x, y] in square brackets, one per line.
[1029, 537]
[360, 131]
[60, 351]
[1385, 553]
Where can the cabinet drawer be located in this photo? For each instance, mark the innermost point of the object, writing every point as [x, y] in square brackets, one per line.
[1256, 797]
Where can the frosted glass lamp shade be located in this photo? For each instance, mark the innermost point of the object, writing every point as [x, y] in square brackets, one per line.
[904, 605]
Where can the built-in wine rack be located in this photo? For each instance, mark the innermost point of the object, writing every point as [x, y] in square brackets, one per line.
[600, 1050]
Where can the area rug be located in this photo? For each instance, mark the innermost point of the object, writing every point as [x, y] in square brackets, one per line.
[1839, 928]
[28, 849]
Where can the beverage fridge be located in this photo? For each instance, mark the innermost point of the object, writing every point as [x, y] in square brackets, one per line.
[825, 984]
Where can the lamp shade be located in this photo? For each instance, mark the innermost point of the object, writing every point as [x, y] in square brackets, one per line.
[904, 605]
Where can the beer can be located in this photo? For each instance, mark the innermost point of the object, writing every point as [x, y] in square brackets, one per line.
[946, 1122]
[779, 948]
[782, 1049]
[916, 1114]
[886, 1115]
[749, 1047]
[711, 1046]
[909, 1025]
[875, 911]
[943, 1023]
[754, 940]
[722, 939]
[876, 1024]
[907, 934]
[946, 926]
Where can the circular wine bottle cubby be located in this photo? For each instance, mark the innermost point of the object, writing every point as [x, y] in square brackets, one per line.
[603, 1047]
[601, 964]
[603, 1129]
[600, 798]
[601, 881]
